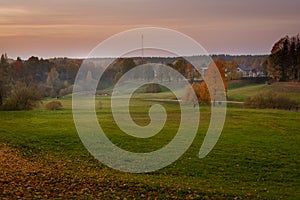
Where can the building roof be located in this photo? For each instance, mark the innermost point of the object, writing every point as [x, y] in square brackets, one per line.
[244, 68]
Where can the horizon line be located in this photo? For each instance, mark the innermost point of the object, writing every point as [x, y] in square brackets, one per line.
[154, 56]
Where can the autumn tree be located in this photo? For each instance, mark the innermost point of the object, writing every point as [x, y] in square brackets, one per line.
[181, 66]
[212, 78]
[89, 77]
[283, 63]
[117, 77]
[231, 70]
[54, 82]
[148, 72]
[3, 77]
[204, 96]
[3, 58]
[128, 64]
[190, 72]
[188, 94]
[1, 87]
[18, 70]
[163, 73]
[23, 96]
[201, 93]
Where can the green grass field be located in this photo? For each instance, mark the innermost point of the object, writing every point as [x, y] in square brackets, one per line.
[238, 91]
[256, 157]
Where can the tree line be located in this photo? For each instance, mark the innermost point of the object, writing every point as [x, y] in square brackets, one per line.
[36, 78]
[24, 82]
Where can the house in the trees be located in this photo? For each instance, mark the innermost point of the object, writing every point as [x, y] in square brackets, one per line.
[245, 70]
[258, 72]
[248, 72]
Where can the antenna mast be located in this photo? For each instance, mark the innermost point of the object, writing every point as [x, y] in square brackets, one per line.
[143, 48]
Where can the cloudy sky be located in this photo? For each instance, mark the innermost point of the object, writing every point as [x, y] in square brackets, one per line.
[73, 28]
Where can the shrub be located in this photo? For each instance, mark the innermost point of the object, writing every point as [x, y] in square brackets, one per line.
[65, 91]
[23, 97]
[153, 88]
[271, 100]
[54, 105]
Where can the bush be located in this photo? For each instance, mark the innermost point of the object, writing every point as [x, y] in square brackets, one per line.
[54, 105]
[153, 88]
[23, 97]
[65, 91]
[271, 100]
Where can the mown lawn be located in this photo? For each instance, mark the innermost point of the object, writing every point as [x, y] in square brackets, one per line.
[256, 157]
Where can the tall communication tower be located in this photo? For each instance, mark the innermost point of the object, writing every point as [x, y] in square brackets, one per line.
[142, 48]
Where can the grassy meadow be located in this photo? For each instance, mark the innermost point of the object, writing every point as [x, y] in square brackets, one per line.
[256, 157]
[239, 91]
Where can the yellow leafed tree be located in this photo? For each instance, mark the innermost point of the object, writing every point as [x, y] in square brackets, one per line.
[215, 91]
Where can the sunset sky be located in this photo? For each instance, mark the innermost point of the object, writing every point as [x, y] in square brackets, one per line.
[73, 28]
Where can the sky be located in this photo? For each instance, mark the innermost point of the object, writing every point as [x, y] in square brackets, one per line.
[72, 28]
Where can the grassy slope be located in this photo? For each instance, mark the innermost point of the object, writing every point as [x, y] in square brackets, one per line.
[257, 155]
[239, 92]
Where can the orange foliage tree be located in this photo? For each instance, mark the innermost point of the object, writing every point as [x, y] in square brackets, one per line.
[212, 78]
[205, 94]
